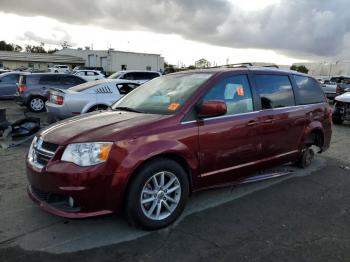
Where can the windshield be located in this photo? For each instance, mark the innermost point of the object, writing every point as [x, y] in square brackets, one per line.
[163, 95]
[115, 75]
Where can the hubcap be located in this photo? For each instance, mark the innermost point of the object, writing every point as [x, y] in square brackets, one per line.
[37, 104]
[160, 196]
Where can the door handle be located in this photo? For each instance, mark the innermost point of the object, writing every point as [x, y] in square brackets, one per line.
[252, 123]
[268, 121]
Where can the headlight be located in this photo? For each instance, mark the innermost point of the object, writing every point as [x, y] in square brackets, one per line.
[87, 154]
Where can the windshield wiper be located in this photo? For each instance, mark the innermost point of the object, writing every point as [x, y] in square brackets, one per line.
[125, 108]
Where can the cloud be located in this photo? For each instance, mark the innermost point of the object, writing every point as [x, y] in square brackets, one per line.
[56, 37]
[294, 27]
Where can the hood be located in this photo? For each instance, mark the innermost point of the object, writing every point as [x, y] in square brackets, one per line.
[343, 98]
[95, 127]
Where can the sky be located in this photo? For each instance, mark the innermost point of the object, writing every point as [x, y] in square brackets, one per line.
[183, 31]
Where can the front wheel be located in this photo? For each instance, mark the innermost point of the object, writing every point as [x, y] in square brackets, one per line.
[157, 195]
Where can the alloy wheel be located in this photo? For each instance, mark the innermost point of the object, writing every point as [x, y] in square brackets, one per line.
[37, 104]
[160, 195]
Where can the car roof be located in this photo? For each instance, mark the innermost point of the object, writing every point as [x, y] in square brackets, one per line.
[137, 71]
[46, 73]
[87, 70]
[9, 73]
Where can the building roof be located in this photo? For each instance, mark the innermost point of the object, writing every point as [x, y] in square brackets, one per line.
[39, 57]
[106, 51]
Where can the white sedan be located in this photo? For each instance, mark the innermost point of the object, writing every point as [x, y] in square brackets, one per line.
[86, 97]
[89, 75]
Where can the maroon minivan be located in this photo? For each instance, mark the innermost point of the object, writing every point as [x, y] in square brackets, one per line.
[174, 135]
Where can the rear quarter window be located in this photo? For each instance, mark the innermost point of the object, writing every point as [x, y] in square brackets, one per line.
[275, 91]
[49, 80]
[308, 91]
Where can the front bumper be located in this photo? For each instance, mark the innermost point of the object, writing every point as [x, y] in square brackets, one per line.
[95, 191]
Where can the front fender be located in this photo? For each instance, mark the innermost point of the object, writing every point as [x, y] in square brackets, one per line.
[137, 152]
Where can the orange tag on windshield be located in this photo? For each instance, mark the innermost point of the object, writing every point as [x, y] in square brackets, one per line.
[240, 91]
[173, 106]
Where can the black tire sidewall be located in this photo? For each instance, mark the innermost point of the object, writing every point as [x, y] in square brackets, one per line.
[133, 206]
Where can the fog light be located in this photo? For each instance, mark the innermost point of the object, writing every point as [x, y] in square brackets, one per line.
[71, 202]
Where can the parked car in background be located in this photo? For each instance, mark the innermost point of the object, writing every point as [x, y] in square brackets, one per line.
[341, 110]
[2, 70]
[335, 86]
[89, 75]
[134, 75]
[8, 84]
[33, 88]
[87, 97]
[59, 69]
[175, 134]
[96, 68]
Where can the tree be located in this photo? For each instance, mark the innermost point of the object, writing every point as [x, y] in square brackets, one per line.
[17, 48]
[168, 68]
[65, 44]
[5, 46]
[202, 63]
[51, 51]
[35, 49]
[300, 68]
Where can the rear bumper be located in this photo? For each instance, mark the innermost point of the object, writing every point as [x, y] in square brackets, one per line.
[19, 100]
[57, 112]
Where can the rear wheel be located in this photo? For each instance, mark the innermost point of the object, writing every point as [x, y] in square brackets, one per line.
[306, 158]
[157, 195]
[37, 104]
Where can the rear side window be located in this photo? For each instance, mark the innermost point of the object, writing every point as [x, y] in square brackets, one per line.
[308, 91]
[125, 88]
[71, 80]
[275, 91]
[10, 79]
[235, 92]
[49, 79]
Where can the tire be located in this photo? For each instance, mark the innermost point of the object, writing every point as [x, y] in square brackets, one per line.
[36, 104]
[306, 158]
[337, 120]
[160, 207]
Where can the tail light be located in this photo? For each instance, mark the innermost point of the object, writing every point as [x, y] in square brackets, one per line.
[59, 100]
[22, 88]
[56, 99]
[338, 89]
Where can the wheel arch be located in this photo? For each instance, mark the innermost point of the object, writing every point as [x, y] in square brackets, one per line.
[88, 107]
[168, 155]
[315, 136]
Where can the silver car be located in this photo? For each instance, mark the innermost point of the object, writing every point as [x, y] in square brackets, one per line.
[87, 97]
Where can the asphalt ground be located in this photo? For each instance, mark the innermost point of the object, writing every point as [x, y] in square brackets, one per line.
[301, 217]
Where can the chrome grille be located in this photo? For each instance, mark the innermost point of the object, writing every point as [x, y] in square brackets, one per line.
[42, 152]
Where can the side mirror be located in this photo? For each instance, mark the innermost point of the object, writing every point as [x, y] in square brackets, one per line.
[211, 108]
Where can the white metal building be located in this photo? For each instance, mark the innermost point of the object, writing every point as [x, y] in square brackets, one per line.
[328, 69]
[113, 61]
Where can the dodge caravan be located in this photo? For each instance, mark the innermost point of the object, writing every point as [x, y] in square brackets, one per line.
[174, 135]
